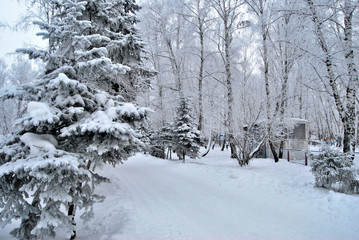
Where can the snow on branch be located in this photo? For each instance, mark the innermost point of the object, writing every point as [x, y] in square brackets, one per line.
[91, 54]
[26, 91]
[33, 163]
[39, 112]
[83, 42]
[64, 81]
[33, 53]
[37, 143]
[100, 122]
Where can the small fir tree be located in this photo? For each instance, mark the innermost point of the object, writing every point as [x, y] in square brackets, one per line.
[334, 170]
[161, 140]
[157, 147]
[186, 137]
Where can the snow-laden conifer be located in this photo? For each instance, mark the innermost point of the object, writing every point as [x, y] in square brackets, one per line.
[186, 137]
[73, 121]
[162, 140]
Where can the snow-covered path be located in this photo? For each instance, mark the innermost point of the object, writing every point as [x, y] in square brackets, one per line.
[213, 198]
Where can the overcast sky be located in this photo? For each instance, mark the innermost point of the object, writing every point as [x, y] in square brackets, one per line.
[10, 12]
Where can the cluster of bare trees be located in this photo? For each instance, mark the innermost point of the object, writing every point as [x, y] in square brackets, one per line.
[253, 62]
[20, 72]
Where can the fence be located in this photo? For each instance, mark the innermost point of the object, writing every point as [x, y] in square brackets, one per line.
[301, 156]
[296, 156]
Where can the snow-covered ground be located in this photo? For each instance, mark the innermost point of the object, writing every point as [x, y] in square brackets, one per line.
[214, 198]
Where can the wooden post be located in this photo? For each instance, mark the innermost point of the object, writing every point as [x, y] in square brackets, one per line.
[288, 155]
[306, 159]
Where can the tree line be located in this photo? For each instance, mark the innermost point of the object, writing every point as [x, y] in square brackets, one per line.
[249, 61]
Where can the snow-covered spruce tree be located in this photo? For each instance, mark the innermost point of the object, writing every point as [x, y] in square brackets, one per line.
[72, 124]
[161, 140]
[186, 138]
[111, 34]
[334, 170]
[116, 20]
[157, 147]
[145, 136]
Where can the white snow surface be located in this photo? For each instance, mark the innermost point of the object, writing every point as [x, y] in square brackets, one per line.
[214, 198]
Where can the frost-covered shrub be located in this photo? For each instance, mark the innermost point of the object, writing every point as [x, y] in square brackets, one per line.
[334, 170]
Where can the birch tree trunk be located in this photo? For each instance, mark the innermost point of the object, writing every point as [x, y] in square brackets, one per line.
[264, 33]
[200, 75]
[198, 12]
[227, 44]
[227, 11]
[157, 65]
[286, 65]
[350, 114]
[176, 67]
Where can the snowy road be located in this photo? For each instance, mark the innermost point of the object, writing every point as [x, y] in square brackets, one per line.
[215, 199]
[172, 205]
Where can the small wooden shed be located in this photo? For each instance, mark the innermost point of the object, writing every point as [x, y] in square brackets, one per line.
[296, 141]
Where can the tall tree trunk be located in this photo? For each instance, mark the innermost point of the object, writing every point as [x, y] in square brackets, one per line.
[176, 68]
[233, 146]
[201, 68]
[211, 143]
[71, 214]
[198, 11]
[228, 12]
[160, 90]
[281, 149]
[283, 103]
[157, 66]
[286, 67]
[266, 77]
[230, 100]
[274, 152]
[349, 125]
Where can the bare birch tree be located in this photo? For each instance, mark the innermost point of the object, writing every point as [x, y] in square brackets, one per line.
[228, 12]
[198, 13]
[260, 9]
